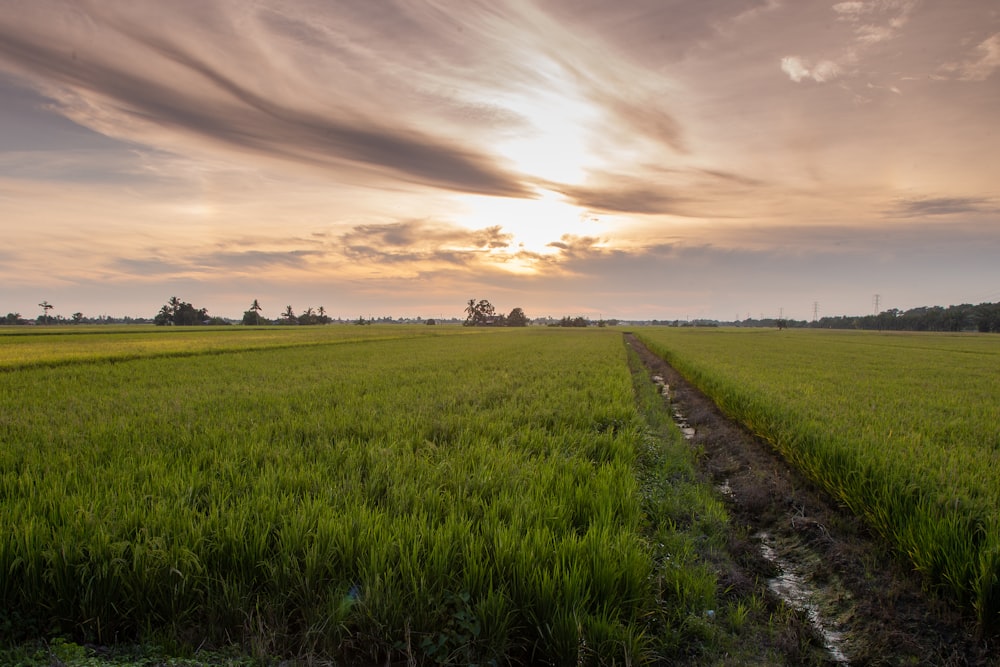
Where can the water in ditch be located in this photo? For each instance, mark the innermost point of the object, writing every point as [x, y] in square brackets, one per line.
[793, 563]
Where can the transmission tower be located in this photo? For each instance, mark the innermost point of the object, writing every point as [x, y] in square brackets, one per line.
[875, 302]
[815, 310]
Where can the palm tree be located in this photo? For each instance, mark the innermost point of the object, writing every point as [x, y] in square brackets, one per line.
[471, 311]
[174, 306]
[255, 307]
[46, 307]
[289, 314]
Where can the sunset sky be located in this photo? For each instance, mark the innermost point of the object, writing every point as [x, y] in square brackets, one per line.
[629, 158]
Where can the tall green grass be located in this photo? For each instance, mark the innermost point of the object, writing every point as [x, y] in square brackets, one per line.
[903, 428]
[457, 499]
[22, 347]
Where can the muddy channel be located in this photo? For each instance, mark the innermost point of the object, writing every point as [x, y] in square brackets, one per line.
[792, 541]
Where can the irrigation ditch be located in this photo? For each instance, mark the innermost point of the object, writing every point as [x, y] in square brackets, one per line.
[792, 542]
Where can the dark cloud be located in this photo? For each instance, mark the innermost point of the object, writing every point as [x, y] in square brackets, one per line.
[422, 240]
[247, 261]
[576, 245]
[207, 102]
[653, 191]
[731, 177]
[930, 206]
[626, 197]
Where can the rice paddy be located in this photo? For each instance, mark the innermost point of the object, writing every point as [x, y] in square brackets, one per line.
[452, 495]
[430, 493]
[902, 428]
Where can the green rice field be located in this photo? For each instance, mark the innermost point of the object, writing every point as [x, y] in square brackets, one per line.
[452, 495]
[902, 428]
[440, 494]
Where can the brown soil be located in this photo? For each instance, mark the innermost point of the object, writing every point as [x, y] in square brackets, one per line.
[871, 603]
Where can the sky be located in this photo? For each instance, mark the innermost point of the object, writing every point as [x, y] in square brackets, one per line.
[636, 159]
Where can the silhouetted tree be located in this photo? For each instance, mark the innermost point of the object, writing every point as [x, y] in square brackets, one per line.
[46, 307]
[517, 318]
[481, 313]
[180, 313]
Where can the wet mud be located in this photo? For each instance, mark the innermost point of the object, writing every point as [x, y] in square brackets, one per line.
[793, 541]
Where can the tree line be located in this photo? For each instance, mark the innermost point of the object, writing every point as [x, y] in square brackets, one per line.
[180, 313]
[481, 313]
[984, 318]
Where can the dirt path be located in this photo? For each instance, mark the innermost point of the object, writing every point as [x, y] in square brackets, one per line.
[794, 539]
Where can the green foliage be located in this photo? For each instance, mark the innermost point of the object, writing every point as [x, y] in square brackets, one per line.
[573, 322]
[28, 346]
[517, 318]
[450, 494]
[481, 314]
[901, 427]
[180, 313]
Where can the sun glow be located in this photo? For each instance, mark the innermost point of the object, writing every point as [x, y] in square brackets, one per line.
[556, 146]
[534, 224]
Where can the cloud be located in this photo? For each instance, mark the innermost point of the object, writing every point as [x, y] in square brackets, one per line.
[422, 241]
[874, 22]
[850, 9]
[164, 83]
[933, 206]
[577, 246]
[626, 197]
[222, 261]
[799, 69]
[981, 64]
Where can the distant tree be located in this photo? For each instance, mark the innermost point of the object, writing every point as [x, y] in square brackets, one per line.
[12, 318]
[782, 324]
[481, 313]
[180, 313]
[255, 308]
[165, 316]
[253, 318]
[517, 318]
[289, 315]
[77, 318]
[46, 307]
[430, 322]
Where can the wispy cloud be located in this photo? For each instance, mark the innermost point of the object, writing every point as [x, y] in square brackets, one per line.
[570, 147]
[627, 196]
[937, 206]
[873, 22]
[980, 64]
[166, 83]
[421, 241]
[799, 69]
